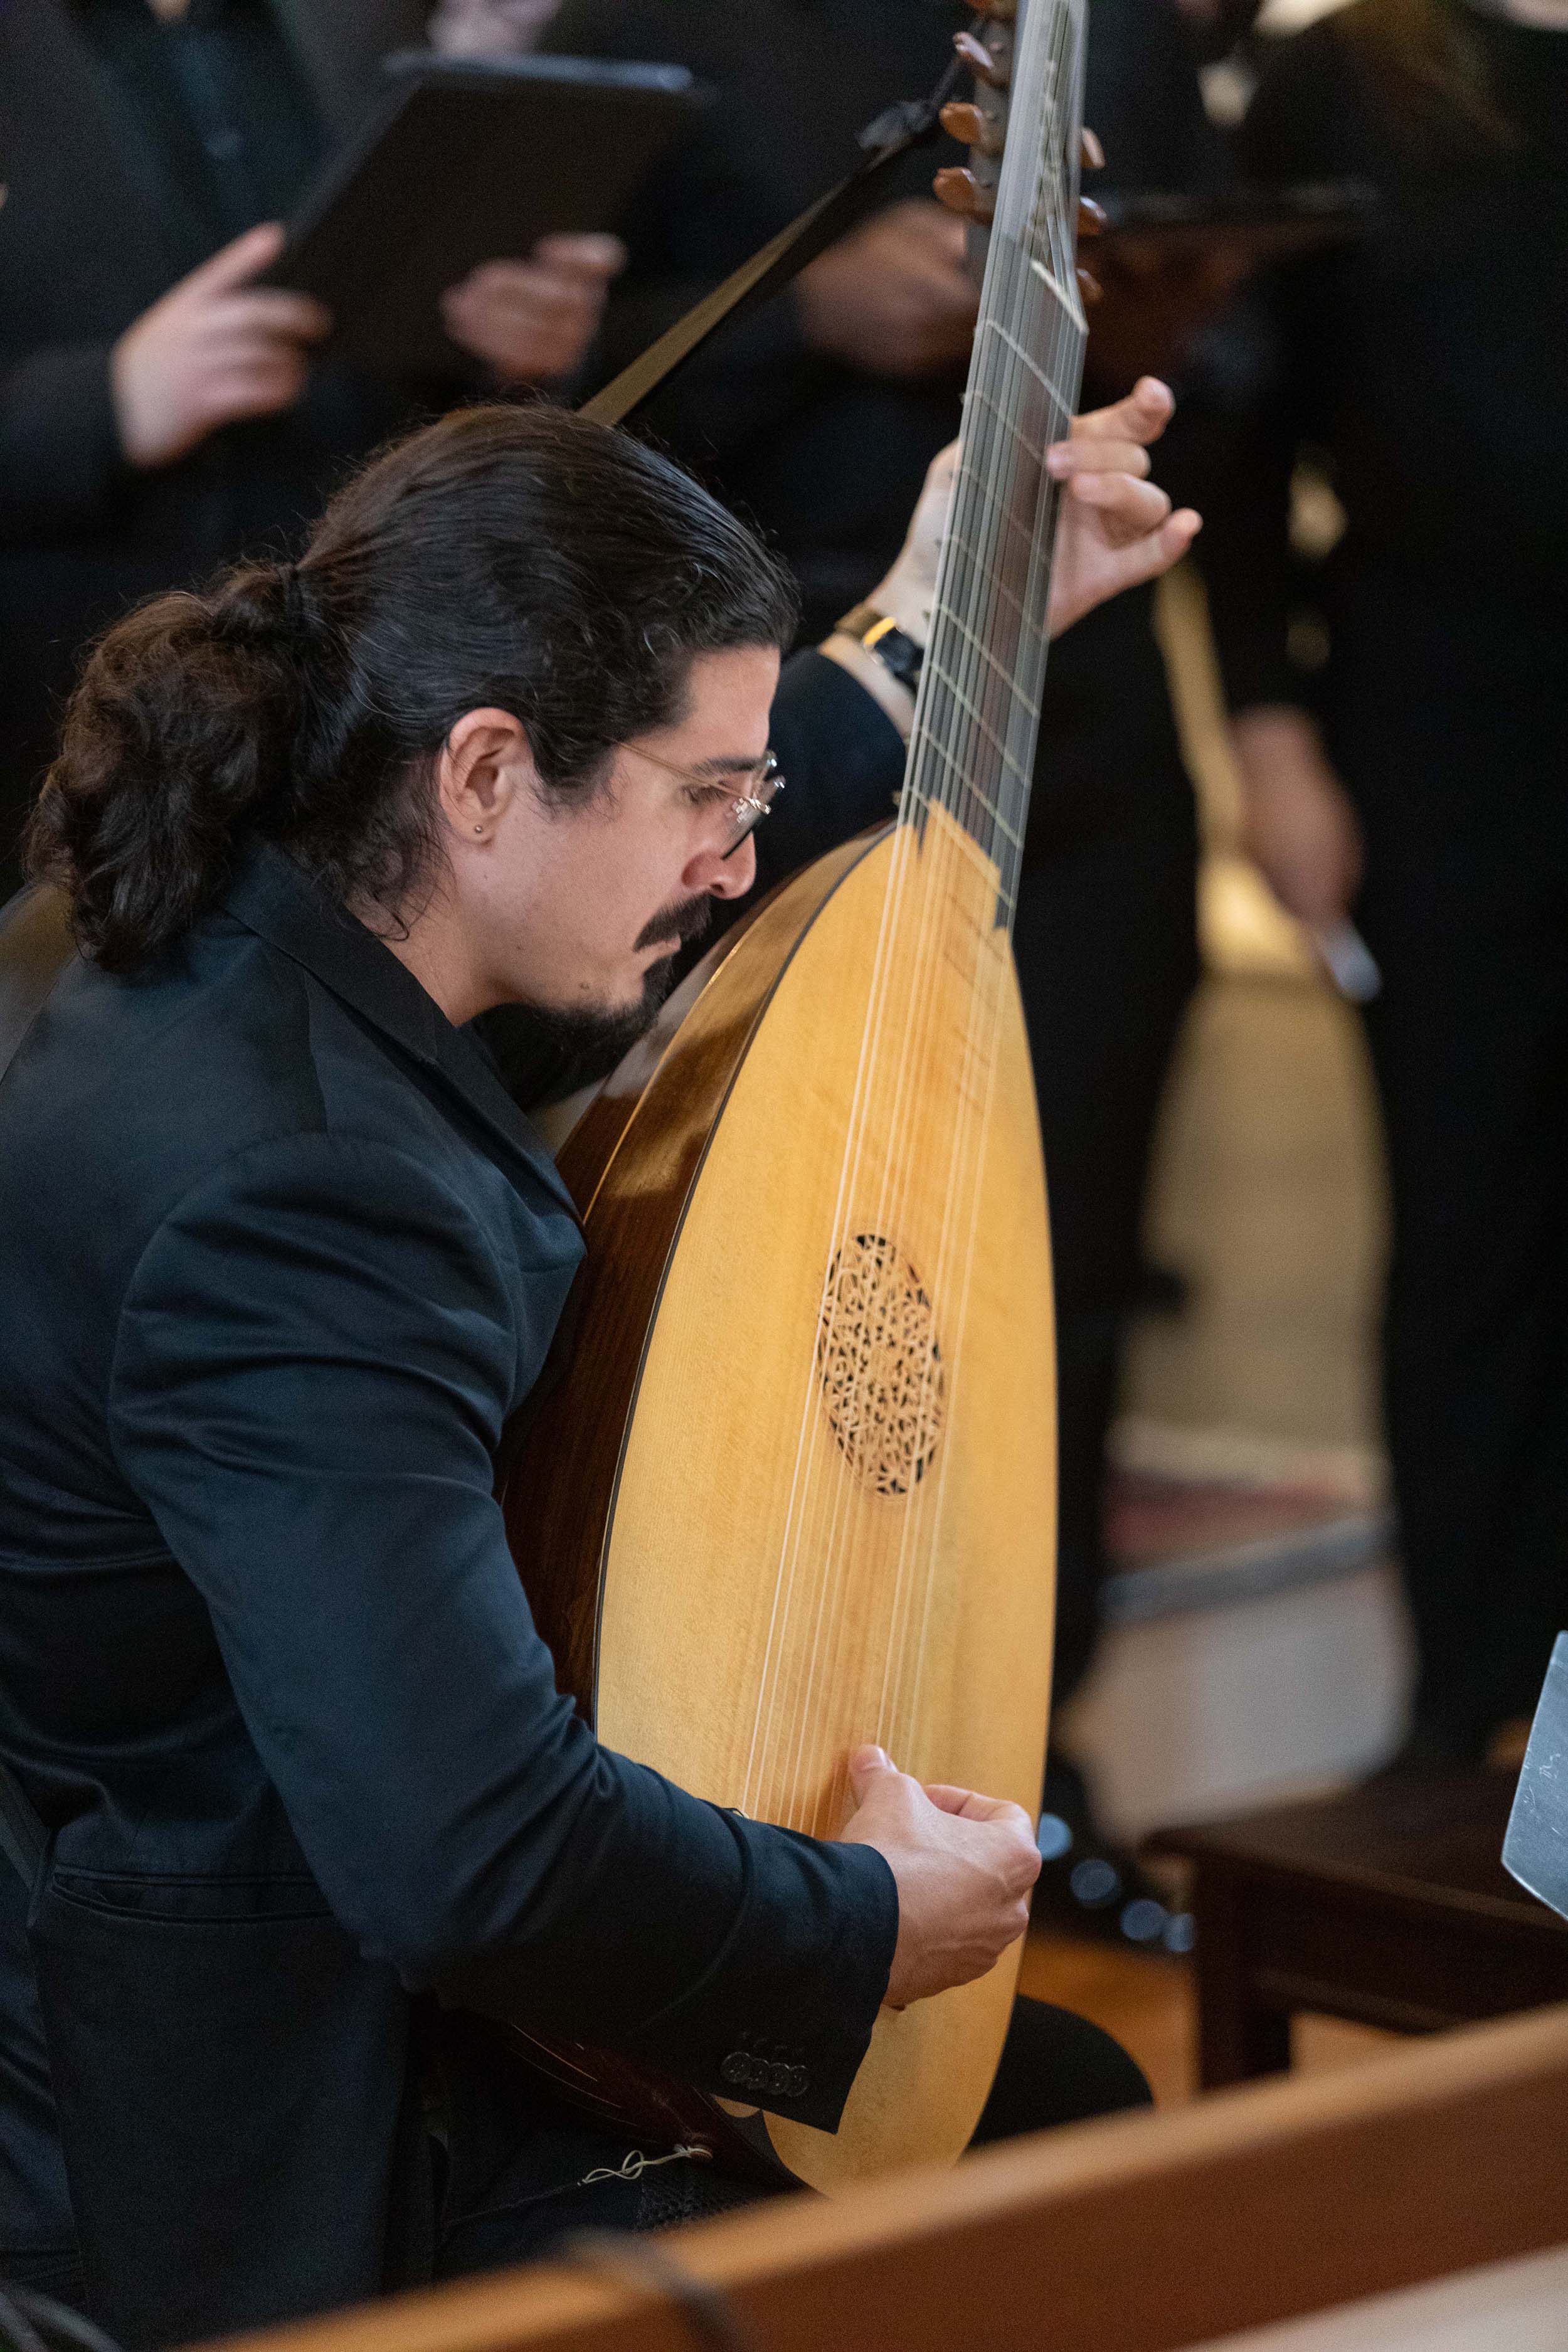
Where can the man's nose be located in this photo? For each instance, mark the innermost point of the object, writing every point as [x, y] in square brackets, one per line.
[721, 876]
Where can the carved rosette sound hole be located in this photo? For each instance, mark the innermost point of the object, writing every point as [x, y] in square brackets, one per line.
[882, 1380]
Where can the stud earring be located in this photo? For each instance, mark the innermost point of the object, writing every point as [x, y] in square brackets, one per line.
[479, 828]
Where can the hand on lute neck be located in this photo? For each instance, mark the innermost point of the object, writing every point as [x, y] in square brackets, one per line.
[1116, 531]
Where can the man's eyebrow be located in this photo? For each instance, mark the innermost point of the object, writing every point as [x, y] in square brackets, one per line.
[729, 763]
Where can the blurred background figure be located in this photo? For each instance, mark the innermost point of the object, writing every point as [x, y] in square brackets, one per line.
[1416, 771]
[818, 417]
[1214, 27]
[159, 409]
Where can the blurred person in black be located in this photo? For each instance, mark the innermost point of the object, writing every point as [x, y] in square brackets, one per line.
[158, 411]
[818, 417]
[1418, 776]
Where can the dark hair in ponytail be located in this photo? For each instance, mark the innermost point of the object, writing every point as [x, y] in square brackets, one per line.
[515, 556]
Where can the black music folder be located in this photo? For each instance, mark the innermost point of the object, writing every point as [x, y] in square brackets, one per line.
[470, 160]
[1260, 222]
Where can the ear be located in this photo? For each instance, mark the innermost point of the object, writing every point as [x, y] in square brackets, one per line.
[484, 761]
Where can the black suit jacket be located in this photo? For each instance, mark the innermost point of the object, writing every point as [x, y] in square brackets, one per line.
[281, 1258]
[93, 230]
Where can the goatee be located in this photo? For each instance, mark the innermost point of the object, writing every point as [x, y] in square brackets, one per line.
[546, 1051]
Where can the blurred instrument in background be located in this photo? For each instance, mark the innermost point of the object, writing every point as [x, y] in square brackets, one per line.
[1169, 262]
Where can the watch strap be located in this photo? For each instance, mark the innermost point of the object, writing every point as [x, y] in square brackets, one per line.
[896, 652]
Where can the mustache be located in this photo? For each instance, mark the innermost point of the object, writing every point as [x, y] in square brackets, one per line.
[684, 920]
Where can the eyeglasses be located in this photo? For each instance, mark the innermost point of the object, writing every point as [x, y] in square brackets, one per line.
[747, 809]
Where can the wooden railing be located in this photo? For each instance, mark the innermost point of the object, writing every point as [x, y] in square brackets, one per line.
[1137, 2234]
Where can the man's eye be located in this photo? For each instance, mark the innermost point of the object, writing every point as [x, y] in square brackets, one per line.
[708, 796]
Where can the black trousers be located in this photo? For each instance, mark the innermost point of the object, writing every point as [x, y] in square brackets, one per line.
[1056, 2069]
[1105, 942]
[520, 2184]
[1451, 729]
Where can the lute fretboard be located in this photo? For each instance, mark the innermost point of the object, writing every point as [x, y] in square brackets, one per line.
[971, 751]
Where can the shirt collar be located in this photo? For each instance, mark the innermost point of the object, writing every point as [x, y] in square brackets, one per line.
[271, 897]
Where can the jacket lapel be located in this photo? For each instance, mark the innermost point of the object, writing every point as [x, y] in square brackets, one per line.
[273, 899]
[153, 208]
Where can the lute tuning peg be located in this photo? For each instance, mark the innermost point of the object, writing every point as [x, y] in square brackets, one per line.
[971, 128]
[1092, 152]
[961, 192]
[994, 71]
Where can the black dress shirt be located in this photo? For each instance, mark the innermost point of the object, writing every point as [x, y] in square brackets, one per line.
[222, 93]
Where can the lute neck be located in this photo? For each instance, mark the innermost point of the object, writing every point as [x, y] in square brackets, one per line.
[971, 751]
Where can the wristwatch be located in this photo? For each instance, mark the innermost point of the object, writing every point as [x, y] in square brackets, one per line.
[897, 652]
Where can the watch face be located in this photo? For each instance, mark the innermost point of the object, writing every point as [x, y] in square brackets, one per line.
[902, 655]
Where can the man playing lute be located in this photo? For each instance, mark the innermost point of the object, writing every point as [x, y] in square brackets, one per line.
[282, 1259]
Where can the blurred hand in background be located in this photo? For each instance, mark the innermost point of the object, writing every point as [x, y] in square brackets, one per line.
[1298, 823]
[533, 320]
[216, 348]
[893, 298]
[489, 28]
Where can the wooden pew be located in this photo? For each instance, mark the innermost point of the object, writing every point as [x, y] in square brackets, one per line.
[1141, 2233]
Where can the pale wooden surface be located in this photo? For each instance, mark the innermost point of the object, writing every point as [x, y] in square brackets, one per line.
[1137, 2234]
[748, 1646]
[1519, 2306]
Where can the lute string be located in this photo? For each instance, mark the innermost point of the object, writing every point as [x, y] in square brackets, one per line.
[986, 670]
[952, 791]
[975, 744]
[970, 675]
[1064, 331]
[938, 848]
[989, 743]
[964, 674]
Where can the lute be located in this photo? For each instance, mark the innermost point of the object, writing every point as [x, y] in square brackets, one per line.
[794, 1487]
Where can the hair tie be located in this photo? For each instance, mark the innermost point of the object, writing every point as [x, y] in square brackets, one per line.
[298, 616]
